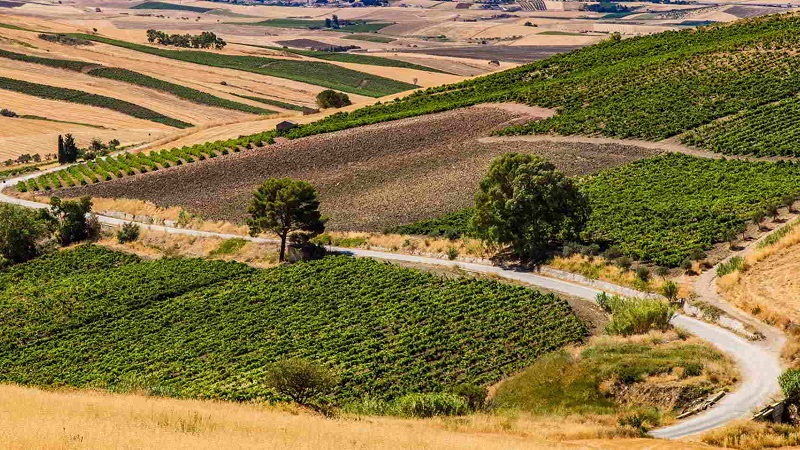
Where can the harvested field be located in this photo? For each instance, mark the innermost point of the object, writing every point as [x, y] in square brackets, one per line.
[369, 178]
[517, 53]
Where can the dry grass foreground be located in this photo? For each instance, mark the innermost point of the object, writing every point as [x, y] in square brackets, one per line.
[369, 178]
[33, 418]
[769, 287]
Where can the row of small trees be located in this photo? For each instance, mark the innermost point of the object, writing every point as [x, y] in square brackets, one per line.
[69, 152]
[206, 39]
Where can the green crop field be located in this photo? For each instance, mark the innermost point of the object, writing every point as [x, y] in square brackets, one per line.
[312, 72]
[129, 76]
[170, 6]
[664, 209]
[75, 96]
[361, 26]
[370, 38]
[197, 328]
[269, 101]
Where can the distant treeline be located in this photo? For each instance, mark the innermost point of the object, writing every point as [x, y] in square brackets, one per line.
[205, 39]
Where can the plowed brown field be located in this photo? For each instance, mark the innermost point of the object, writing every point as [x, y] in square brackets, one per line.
[370, 177]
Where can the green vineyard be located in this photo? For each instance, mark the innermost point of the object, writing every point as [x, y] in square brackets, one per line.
[128, 164]
[664, 209]
[208, 329]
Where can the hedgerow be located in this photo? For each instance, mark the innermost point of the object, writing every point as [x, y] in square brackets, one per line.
[210, 329]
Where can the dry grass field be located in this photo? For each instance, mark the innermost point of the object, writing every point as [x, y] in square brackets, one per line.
[369, 178]
[33, 418]
[769, 287]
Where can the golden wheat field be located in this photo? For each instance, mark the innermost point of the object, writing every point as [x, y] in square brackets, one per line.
[33, 418]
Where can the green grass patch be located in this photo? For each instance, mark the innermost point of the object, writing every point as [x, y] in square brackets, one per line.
[89, 317]
[312, 72]
[776, 236]
[561, 383]
[13, 27]
[34, 117]
[269, 101]
[229, 247]
[170, 6]
[559, 33]
[85, 98]
[370, 38]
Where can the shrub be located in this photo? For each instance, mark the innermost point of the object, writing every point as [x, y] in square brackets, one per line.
[474, 395]
[669, 290]
[430, 405]
[452, 253]
[643, 273]
[624, 263]
[790, 384]
[732, 265]
[128, 233]
[641, 420]
[305, 382]
[638, 316]
[7, 113]
[332, 99]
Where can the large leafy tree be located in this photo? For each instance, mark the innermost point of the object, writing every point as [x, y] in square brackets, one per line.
[524, 202]
[283, 206]
[21, 232]
[71, 219]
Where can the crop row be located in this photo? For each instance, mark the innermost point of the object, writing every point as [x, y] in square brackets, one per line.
[129, 76]
[197, 328]
[85, 98]
[128, 164]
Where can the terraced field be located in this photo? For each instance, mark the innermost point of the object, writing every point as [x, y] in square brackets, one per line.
[207, 329]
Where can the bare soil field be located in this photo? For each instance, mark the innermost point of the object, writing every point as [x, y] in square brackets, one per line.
[517, 53]
[369, 178]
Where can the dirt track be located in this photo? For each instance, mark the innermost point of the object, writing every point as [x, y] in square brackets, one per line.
[369, 178]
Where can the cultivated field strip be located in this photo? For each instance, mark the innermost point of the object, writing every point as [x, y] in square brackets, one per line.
[131, 77]
[76, 96]
[317, 73]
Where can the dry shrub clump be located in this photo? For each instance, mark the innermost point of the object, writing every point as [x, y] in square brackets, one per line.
[748, 435]
[154, 245]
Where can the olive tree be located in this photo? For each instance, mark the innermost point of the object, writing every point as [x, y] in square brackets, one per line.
[305, 382]
[524, 202]
[283, 206]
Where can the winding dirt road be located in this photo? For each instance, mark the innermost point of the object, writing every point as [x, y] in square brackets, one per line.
[759, 365]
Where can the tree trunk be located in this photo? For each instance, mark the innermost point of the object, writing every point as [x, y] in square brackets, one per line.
[282, 255]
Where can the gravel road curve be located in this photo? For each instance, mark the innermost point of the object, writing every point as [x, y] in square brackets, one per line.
[759, 366]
